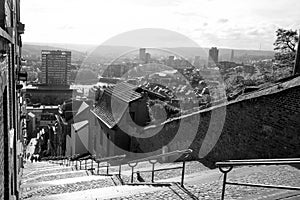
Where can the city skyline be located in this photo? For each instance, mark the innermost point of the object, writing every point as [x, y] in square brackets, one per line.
[230, 24]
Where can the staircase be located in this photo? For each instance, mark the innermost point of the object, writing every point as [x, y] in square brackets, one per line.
[45, 180]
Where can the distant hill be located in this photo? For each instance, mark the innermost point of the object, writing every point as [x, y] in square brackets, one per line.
[111, 51]
[79, 51]
[224, 54]
[76, 47]
[34, 51]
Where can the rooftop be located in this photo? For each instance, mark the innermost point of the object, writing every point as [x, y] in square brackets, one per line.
[41, 107]
[45, 87]
[82, 108]
[109, 111]
[265, 90]
[79, 125]
[113, 103]
[124, 91]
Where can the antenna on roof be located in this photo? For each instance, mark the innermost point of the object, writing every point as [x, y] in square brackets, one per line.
[260, 46]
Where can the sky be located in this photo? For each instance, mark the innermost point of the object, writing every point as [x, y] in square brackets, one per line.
[238, 24]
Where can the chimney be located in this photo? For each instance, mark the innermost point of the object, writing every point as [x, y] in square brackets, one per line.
[297, 62]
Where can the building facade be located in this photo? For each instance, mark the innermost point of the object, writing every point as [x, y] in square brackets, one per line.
[232, 56]
[118, 110]
[56, 67]
[47, 95]
[116, 70]
[11, 123]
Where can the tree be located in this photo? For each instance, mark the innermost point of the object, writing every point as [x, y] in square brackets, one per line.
[32, 76]
[285, 50]
[286, 41]
[157, 112]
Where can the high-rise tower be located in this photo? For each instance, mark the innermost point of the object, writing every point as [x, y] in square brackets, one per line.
[232, 56]
[213, 57]
[56, 67]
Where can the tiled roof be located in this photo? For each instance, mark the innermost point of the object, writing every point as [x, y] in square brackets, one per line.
[110, 111]
[114, 102]
[124, 91]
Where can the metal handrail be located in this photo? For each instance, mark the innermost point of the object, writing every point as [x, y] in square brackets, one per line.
[227, 166]
[243, 163]
[154, 159]
[107, 160]
[112, 158]
[265, 160]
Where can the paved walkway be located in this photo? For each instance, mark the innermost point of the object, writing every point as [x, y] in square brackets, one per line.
[47, 181]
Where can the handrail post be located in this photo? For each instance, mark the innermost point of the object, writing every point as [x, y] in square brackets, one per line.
[224, 185]
[132, 174]
[182, 175]
[98, 168]
[120, 170]
[152, 173]
[224, 171]
[92, 166]
[107, 168]
[132, 165]
[85, 164]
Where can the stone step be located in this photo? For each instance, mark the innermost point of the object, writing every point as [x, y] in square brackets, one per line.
[101, 193]
[52, 176]
[66, 185]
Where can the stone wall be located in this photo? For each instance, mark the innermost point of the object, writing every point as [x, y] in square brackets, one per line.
[266, 125]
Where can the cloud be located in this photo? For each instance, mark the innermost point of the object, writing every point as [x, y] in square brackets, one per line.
[223, 20]
[151, 37]
[187, 14]
[66, 27]
[254, 32]
[211, 22]
[152, 3]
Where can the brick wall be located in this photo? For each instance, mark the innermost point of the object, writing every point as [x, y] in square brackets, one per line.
[264, 126]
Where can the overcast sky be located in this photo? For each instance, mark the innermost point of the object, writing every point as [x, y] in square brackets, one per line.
[243, 24]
